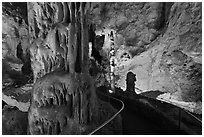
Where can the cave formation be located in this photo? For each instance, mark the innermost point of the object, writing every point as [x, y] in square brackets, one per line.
[58, 56]
[63, 92]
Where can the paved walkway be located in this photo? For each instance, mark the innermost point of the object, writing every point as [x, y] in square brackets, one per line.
[135, 124]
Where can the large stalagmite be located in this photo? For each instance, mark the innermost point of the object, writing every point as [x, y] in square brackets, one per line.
[63, 97]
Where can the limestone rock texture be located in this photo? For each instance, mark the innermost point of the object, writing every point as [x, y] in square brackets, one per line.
[160, 42]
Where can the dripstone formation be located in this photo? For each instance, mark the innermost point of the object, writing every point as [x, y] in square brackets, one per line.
[63, 97]
[60, 103]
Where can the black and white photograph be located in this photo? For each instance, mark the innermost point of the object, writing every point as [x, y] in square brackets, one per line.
[101, 68]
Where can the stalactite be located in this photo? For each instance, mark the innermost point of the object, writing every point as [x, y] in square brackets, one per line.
[86, 47]
[78, 65]
[60, 13]
[66, 18]
[84, 37]
[81, 106]
[82, 33]
[72, 48]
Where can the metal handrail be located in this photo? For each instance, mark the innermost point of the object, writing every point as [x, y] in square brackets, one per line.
[191, 115]
[109, 120]
[175, 105]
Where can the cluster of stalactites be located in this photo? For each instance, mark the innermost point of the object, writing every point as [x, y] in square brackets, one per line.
[50, 54]
[66, 44]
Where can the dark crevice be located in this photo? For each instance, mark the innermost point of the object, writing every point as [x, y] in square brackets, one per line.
[79, 109]
[61, 99]
[19, 52]
[65, 121]
[3, 104]
[72, 9]
[78, 43]
[49, 9]
[96, 47]
[66, 13]
[88, 115]
[37, 30]
[97, 43]
[77, 4]
[71, 106]
[165, 11]
[161, 21]
[168, 6]
[26, 68]
[58, 130]
[57, 36]
[51, 101]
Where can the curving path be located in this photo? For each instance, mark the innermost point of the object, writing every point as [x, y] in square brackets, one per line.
[136, 124]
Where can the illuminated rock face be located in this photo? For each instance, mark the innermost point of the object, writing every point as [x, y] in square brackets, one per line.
[61, 101]
[163, 42]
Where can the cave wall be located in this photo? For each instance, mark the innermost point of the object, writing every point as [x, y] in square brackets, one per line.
[163, 41]
[136, 23]
[15, 44]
